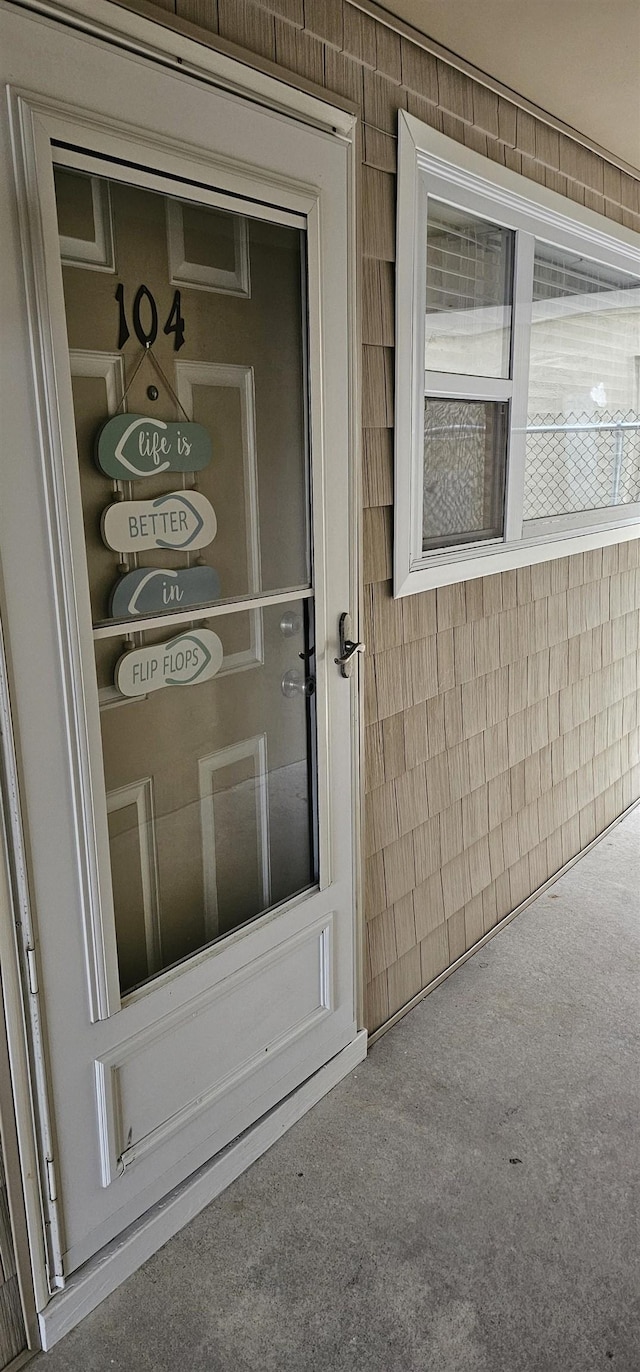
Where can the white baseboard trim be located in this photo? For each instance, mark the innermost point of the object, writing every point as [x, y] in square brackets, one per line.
[92, 1283]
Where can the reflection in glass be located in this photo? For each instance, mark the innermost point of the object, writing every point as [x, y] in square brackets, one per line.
[469, 293]
[210, 798]
[583, 428]
[239, 372]
[210, 786]
[464, 471]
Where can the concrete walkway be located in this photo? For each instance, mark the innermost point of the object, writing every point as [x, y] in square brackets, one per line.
[467, 1201]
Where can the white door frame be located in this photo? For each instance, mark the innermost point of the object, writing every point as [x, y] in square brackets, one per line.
[59, 1312]
[22, 1073]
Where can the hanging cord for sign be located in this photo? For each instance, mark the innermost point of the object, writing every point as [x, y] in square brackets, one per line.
[131, 379]
[167, 382]
[148, 352]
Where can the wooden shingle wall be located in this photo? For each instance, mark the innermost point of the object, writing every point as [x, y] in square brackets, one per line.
[502, 715]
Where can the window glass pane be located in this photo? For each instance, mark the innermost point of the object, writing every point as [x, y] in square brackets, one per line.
[464, 471]
[583, 427]
[469, 293]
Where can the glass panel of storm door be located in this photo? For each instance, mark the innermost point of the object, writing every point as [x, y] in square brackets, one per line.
[208, 724]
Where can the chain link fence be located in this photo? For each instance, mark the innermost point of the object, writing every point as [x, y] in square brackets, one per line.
[575, 462]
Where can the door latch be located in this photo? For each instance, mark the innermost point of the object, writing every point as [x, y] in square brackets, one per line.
[348, 649]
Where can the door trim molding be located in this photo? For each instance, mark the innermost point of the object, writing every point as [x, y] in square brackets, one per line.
[16, 1132]
[91, 1284]
[27, 1136]
[160, 41]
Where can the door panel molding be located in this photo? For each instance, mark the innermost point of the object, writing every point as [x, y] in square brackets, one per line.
[96, 253]
[190, 375]
[140, 795]
[102, 365]
[255, 748]
[128, 1130]
[196, 274]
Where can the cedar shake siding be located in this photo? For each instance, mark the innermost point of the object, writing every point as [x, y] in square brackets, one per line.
[502, 714]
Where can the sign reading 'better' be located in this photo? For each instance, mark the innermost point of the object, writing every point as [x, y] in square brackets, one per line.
[181, 519]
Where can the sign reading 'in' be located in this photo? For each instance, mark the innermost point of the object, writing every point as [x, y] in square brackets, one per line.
[131, 446]
[150, 590]
[181, 519]
[183, 661]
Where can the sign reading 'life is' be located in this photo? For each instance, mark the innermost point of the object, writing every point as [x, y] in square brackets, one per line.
[184, 661]
[133, 446]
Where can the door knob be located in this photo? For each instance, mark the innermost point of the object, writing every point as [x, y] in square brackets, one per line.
[290, 624]
[348, 648]
[295, 684]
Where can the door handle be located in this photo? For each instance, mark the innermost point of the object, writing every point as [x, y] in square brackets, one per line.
[348, 648]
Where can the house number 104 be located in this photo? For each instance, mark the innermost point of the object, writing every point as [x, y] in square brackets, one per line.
[146, 328]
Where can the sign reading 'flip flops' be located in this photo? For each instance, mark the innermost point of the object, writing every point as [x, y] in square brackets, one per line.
[191, 657]
[133, 446]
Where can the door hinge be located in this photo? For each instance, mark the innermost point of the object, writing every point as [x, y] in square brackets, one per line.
[32, 971]
[51, 1180]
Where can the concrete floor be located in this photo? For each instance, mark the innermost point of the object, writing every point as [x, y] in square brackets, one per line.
[467, 1201]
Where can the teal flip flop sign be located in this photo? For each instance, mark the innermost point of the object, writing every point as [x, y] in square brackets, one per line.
[130, 447]
[157, 590]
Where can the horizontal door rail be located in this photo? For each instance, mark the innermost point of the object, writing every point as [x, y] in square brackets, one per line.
[136, 624]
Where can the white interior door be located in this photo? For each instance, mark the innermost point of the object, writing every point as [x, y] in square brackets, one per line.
[175, 543]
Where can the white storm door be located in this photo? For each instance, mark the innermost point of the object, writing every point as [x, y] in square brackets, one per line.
[175, 534]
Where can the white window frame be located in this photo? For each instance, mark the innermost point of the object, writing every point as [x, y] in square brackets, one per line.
[431, 164]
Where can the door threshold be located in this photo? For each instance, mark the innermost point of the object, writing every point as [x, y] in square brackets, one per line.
[121, 1258]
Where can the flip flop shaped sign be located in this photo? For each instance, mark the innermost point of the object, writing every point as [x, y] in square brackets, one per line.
[151, 590]
[179, 520]
[184, 661]
[131, 446]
